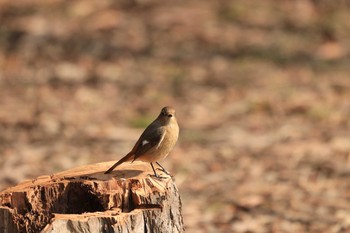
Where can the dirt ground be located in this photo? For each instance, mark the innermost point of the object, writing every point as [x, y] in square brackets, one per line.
[261, 89]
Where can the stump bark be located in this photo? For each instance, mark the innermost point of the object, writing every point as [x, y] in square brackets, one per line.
[86, 200]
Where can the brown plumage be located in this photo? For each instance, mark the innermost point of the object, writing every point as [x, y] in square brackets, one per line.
[155, 142]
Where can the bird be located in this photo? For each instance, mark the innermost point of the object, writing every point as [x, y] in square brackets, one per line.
[156, 141]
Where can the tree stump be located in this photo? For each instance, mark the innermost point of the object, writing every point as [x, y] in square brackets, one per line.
[84, 199]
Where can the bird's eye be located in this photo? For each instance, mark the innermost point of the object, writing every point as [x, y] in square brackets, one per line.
[169, 115]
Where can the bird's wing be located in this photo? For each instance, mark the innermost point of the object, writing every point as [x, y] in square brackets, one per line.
[148, 140]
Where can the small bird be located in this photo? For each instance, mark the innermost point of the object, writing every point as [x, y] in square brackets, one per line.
[155, 142]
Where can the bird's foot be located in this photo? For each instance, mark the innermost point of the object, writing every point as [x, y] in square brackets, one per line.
[158, 177]
[165, 171]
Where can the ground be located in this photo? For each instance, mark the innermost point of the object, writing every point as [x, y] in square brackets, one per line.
[261, 89]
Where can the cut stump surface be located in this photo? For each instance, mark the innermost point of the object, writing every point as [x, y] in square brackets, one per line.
[84, 199]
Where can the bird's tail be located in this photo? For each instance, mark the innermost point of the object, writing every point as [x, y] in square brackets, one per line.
[127, 157]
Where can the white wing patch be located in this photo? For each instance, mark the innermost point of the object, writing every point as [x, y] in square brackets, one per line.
[144, 142]
[161, 140]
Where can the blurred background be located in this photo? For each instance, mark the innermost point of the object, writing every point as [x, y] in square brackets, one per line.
[261, 89]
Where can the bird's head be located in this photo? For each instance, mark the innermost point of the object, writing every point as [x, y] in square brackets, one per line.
[167, 114]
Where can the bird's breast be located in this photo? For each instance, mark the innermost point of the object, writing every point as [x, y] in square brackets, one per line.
[165, 146]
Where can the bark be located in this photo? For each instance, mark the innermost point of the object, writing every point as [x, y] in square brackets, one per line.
[86, 200]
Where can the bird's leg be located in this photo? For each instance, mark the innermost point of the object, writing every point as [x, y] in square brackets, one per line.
[163, 169]
[155, 174]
